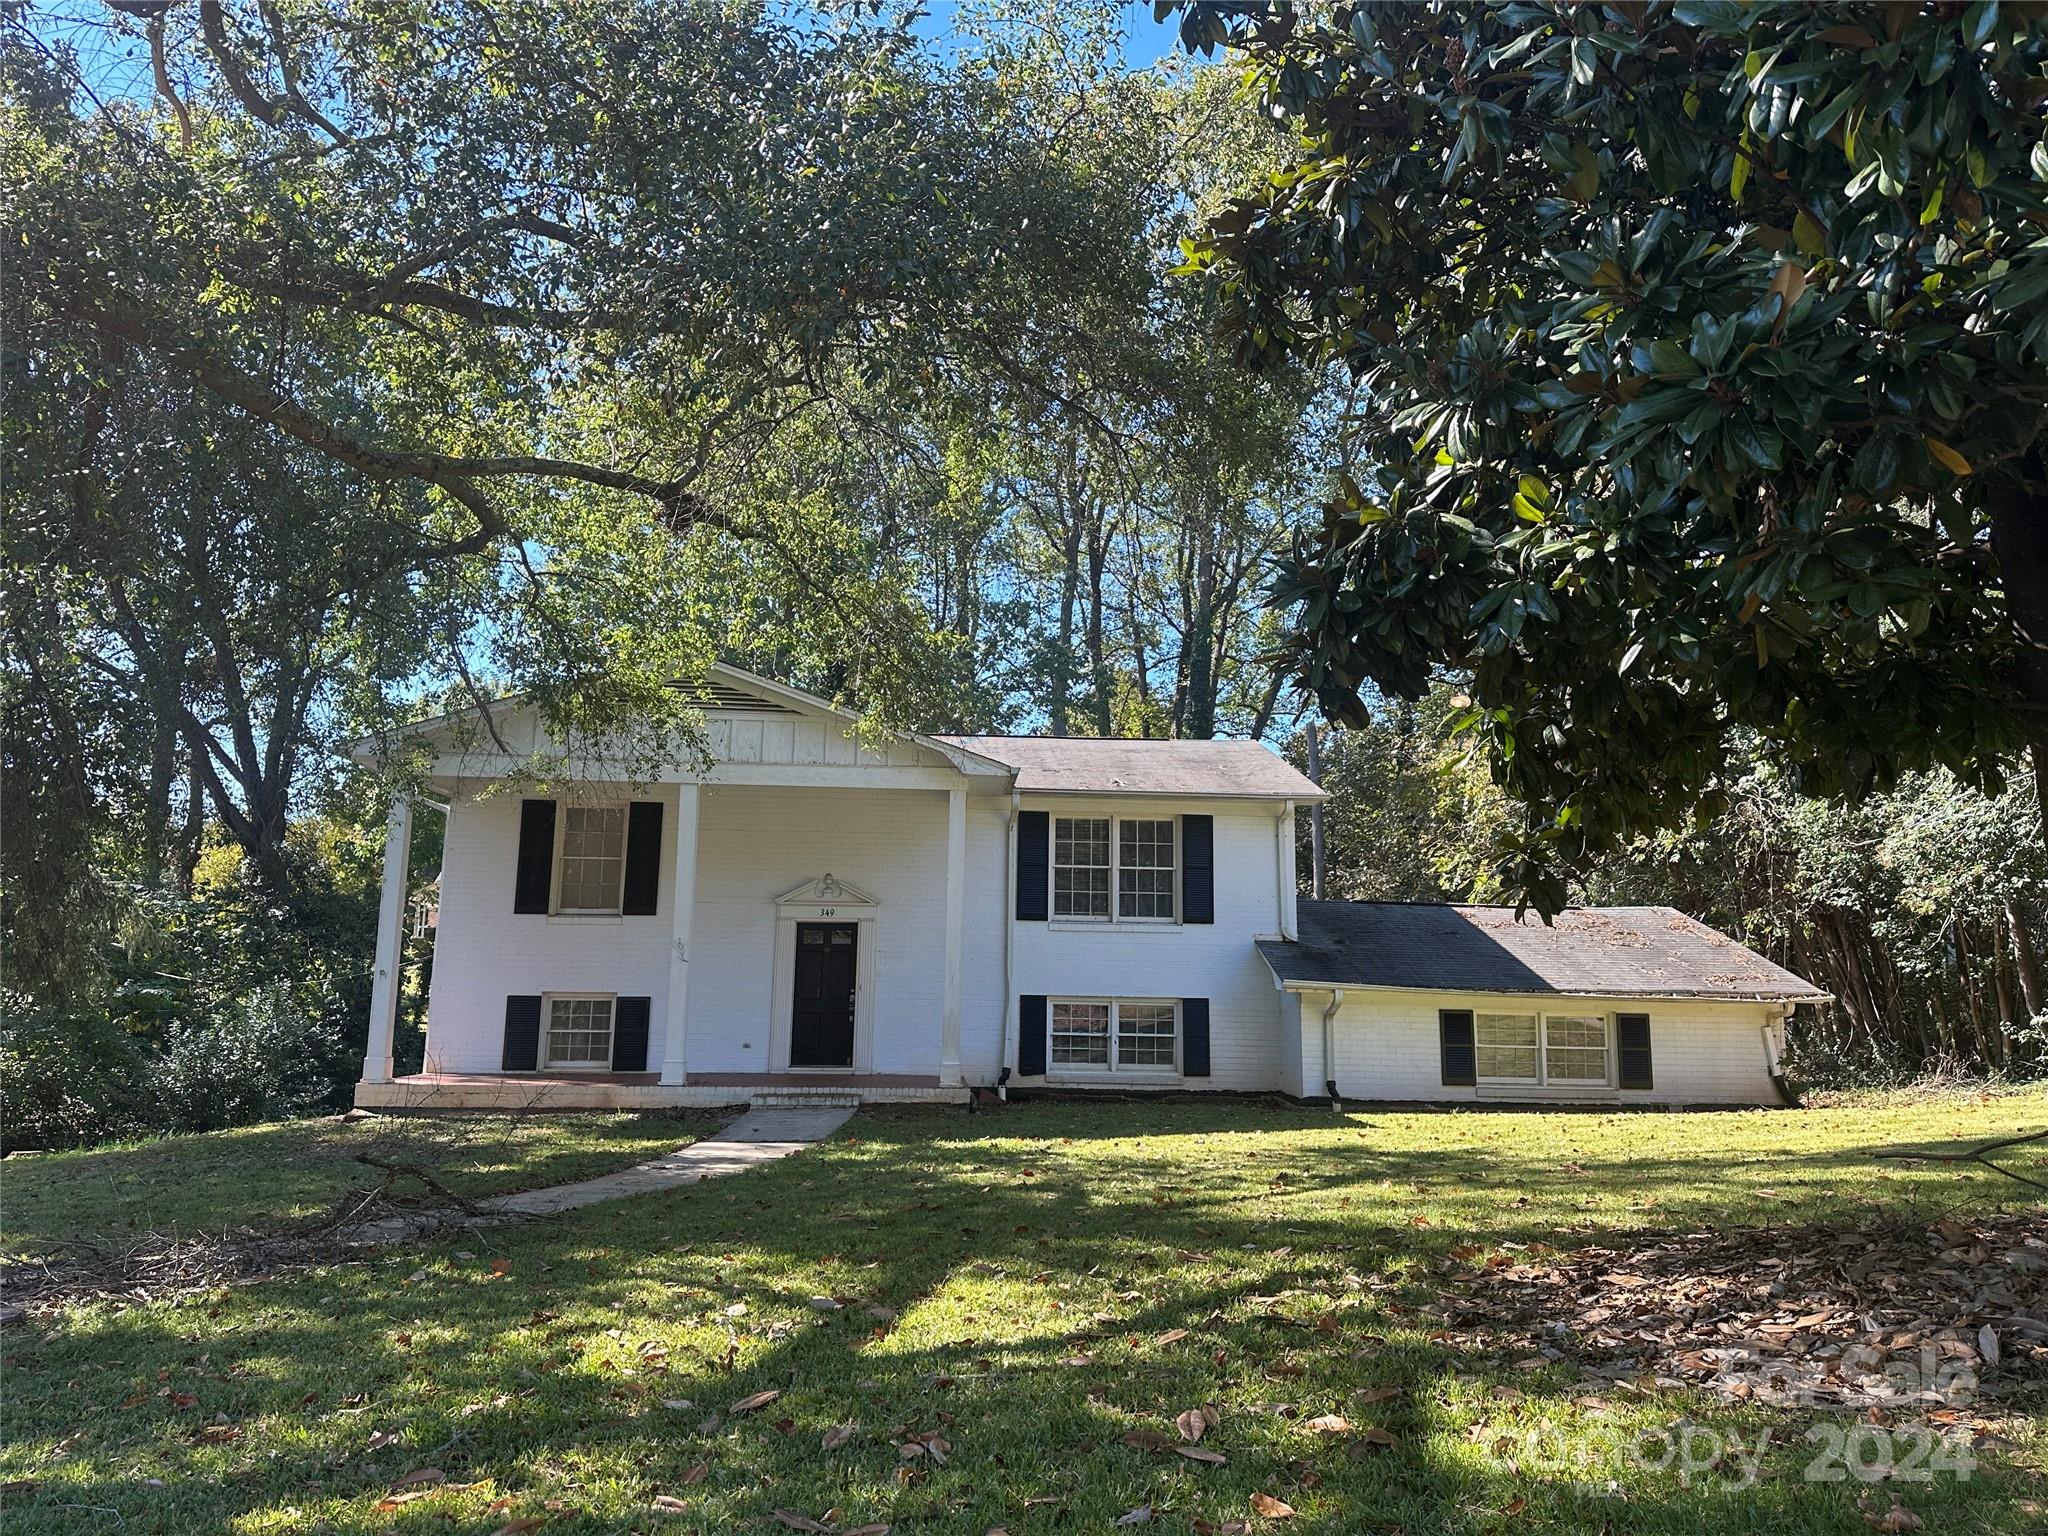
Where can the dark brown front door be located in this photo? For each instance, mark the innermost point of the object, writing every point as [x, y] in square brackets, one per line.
[821, 1030]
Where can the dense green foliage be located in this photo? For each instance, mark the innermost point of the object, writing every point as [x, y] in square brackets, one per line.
[1705, 354]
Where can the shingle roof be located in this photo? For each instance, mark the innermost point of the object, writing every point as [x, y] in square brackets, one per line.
[1093, 765]
[1587, 952]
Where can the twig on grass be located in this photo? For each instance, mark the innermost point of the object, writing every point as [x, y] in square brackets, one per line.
[1980, 1155]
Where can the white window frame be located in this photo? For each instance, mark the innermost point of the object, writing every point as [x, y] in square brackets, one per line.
[547, 1031]
[1116, 1005]
[1114, 917]
[1543, 1078]
[618, 905]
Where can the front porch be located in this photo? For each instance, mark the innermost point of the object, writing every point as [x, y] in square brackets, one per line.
[528, 1092]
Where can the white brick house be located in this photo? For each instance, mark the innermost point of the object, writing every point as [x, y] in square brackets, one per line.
[808, 916]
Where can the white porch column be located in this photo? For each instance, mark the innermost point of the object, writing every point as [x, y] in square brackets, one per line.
[956, 896]
[389, 974]
[682, 915]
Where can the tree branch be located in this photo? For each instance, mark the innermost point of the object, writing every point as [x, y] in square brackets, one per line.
[1979, 1155]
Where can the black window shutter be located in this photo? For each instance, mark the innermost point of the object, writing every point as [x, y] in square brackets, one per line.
[1198, 869]
[643, 861]
[522, 1034]
[629, 1032]
[1031, 1032]
[534, 882]
[1632, 1047]
[1034, 866]
[1461, 1060]
[1194, 1034]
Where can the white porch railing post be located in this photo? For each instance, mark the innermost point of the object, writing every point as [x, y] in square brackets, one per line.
[389, 975]
[682, 915]
[956, 895]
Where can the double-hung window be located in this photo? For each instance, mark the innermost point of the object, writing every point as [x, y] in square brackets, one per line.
[1551, 1048]
[1114, 1035]
[579, 1035]
[1115, 868]
[591, 873]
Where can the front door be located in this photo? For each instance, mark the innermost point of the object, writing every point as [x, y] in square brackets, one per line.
[821, 1030]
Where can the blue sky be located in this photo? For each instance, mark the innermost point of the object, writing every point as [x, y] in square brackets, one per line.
[1146, 41]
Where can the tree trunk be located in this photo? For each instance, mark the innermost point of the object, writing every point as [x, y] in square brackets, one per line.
[2019, 541]
[1098, 659]
[2027, 961]
[1200, 719]
[1063, 657]
[1315, 814]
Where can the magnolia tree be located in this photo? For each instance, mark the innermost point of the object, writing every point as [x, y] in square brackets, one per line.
[1705, 353]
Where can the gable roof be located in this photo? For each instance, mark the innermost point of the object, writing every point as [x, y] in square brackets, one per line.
[1585, 952]
[724, 689]
[1095, 765]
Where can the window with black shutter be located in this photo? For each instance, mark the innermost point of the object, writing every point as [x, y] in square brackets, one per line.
[1632, 1049]
[1454, 1038]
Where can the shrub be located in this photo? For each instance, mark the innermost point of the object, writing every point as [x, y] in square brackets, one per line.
[264, 1057]
[70, 1080]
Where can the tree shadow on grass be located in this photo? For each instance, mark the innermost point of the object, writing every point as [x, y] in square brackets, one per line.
[1034, 1296]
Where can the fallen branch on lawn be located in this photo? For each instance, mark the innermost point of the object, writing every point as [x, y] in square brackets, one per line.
[395, 1171]
[1978, 1155]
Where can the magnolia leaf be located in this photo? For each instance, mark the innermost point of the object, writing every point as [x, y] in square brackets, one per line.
[1946, 456]
[1272, 1508]
[758, 1400]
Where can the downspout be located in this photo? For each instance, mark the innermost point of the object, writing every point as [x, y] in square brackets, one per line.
[1329, 1060]
[1772, 1066]
[1010, 950]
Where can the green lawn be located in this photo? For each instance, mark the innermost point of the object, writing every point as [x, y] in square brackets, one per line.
[1012, 1289]
[270, 1177]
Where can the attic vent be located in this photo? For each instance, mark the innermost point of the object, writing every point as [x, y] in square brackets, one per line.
[715, 695]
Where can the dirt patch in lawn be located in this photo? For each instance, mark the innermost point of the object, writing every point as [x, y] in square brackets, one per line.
[1925, 1320]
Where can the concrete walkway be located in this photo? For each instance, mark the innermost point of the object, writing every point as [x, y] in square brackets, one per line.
[759, 1136]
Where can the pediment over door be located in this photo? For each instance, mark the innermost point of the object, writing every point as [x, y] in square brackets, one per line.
[827, 891]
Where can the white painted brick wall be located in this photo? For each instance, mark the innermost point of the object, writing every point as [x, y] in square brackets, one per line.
[1216, 961]
[755, 843]
[1387, 1048]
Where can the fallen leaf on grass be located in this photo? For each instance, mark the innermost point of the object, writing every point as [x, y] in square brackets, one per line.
[797, 1522]
[1142, 1515]
[877, 1529]
[519, 1527]
[1078, 1360]
[1328, 1424]
[758, 1400]
[1374, 1439]
[1196, 1453]
[1897, 1518]
[837, 1436]
[697, 1473]
[219, 1434]
[1375, 1394]
[1272, 1508]
[669, 1504]
[1147, 1440]
[421, 1475]
[1171, 1336]
[1192, 1425]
